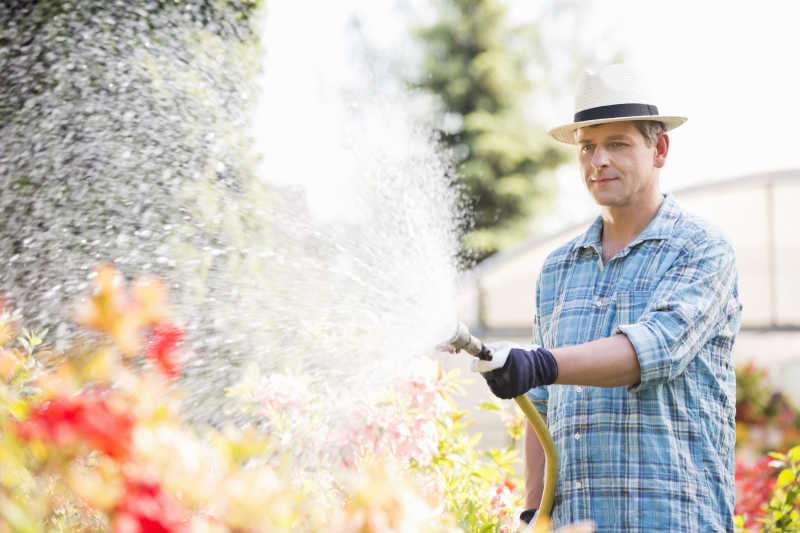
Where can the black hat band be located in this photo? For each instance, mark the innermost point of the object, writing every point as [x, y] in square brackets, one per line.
[615, 111]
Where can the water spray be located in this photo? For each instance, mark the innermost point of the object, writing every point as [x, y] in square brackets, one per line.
[462, 339]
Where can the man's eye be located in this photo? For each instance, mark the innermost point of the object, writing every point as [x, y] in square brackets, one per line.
[587, 148]
[617, 145]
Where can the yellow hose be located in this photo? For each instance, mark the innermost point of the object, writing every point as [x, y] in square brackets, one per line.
[462, 339]
[550, 454]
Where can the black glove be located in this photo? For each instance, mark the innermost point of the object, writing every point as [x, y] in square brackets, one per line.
[522, 371]
[527, 515]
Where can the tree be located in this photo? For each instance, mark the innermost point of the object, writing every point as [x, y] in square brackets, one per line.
[476, 65]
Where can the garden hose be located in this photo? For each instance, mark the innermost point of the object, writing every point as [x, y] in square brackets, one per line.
[464, 340]
[550, 454]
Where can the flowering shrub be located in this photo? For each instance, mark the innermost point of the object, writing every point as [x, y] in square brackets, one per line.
[755, 482]
[765, 419]
[415, 427]
[93, 440]
[89, 443]
[768, 494]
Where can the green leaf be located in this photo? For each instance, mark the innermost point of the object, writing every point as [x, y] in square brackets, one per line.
[489, 406]
[794, 454]
[785, 478]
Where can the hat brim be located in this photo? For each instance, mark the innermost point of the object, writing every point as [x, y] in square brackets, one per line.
[566, 133]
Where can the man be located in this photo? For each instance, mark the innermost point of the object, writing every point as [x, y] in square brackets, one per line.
[636, 319]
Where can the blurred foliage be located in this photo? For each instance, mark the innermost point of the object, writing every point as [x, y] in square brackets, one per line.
[767, 489]
[783, 509]
[766, 419]
[780, 513]
[475, 62]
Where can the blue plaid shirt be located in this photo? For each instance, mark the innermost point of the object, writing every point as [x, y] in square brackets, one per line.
[657, 456]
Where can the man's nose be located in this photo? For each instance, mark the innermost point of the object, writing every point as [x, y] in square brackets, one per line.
[600, 157]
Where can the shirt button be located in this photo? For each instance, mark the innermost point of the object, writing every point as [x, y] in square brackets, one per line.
[577, 436]
[598, 302]
[578, 484]
[578, 389]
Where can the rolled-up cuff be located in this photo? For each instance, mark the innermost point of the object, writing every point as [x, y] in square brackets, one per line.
[652, 362]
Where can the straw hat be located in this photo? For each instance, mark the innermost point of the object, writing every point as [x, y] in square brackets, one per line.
[614, 94]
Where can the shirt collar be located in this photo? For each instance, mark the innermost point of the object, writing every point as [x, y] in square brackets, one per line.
[658, 229]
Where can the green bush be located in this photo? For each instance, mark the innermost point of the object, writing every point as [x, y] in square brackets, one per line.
[782, 511]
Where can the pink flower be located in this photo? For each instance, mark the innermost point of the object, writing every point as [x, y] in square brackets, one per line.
[426, 388]
[403, 428]
[501, 498]
[281, 391]
[417, 440]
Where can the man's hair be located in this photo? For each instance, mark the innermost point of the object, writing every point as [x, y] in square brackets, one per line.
[649, 130]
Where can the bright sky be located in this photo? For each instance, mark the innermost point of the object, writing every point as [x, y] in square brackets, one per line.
[729, 66]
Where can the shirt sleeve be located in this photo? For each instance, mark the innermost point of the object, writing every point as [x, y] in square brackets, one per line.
[538, 395]
[687, 308]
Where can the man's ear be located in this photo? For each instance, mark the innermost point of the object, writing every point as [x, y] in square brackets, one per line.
[662, 148]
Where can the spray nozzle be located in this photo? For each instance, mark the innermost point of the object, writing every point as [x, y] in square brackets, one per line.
[462, 339]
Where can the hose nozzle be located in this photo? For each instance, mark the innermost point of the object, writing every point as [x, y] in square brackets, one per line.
[462, 339]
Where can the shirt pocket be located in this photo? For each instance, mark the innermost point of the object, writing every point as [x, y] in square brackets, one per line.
[630, 306]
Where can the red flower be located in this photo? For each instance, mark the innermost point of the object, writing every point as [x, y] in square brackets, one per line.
[164, 351]
[147, 508]
[57, 420]
[66, 420]
[754, 486]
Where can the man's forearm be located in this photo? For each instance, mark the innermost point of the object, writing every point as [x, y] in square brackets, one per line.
[534, 467]
[609, 362]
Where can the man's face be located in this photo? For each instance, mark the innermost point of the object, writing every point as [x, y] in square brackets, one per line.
[618, 167]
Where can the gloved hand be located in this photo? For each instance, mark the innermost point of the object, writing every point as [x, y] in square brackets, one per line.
[499, 355]
[526, 521]
[514, 370]
[528, 515]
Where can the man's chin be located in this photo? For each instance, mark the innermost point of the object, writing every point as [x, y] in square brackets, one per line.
[606, 200]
